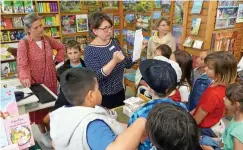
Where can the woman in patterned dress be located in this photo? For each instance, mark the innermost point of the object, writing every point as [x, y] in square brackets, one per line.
[36, 64]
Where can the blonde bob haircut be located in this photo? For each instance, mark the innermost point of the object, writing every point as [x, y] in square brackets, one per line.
[224, 65]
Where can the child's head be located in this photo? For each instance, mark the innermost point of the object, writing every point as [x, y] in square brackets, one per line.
[163, 50]
[234, 97]
[184, 59]
[80, 87]
[159, 75]
[200, 60]
[221, 67]
[73, 51]
[170, 127]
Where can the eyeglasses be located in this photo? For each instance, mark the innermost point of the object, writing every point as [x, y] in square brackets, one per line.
[106, 29]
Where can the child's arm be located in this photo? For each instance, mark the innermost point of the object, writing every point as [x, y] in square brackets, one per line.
[200, 115]
[238, 145]
[130, 138]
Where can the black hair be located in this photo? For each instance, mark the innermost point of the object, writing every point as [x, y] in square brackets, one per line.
[165, 50]
[76, 83]
[170, 127]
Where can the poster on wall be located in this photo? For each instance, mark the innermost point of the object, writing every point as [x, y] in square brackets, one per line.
[239, 18]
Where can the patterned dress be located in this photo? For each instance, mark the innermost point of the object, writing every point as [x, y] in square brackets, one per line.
[37, 65]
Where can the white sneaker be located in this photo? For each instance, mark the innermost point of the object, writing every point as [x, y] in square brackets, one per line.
[46, 140]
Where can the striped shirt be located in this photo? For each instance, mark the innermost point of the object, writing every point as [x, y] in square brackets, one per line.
[96, 57]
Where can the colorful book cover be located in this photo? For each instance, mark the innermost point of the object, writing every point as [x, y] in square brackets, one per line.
[18, 6]
[13, 35]
[7, 7]
[157, 4]
[129, 20]
[82, 23]
[130, 37]
[8, 106]
[19, 131]
[197, 6]
[83, 40]
[116, 20]
[197, 44]
[144, 6]
[17, 22]
[8, 23]
[166, 4]
[178, 15]
[28, 6]
[70, 6]
[68, 24]
[129, 5]
[239, 18]
[3, 135]
[188, 42]
[110, 5]
[196, 22]
[49, 21]
[5, 55]
[5, 36]
[117, 33]
[124, 35]
[54, 32]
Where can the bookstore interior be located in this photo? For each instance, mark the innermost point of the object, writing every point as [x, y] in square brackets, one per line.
[143, 30]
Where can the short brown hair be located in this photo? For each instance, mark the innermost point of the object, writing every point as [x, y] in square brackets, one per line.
[165, 50]
[163, 19]
[96, 19]
[225, 65]
[73, 44]
[234, 92]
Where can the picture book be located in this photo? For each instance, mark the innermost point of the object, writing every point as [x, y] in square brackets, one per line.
[157, 4]
[17, 22]
[129, 20]
[8, 106]
[7, 7]
[110, 5]
[3, 135]
[70, 6]
[188, 42]
[177, 33]
[68, 24]
[8, 24]
[197, 6]
[178, 15]
[223, 3]
[166, 4]
[129, 5]
[82, 23]
[195, 26]
[116, 21]
[124, 35]
[94, 9]
[117, 33]
[19, 131]
[18, 6]
[130, 37]
[54, 32]
[197, 44]
[83, 40]
[20, 34]
[144, 6]
[5, 55]
[239, 18]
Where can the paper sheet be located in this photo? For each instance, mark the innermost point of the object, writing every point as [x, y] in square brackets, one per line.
[137, 45]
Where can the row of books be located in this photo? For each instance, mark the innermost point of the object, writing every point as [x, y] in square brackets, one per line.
[50, 20]
[15, 129]
[10, 23]
[17, 6]
[9, 36]
[54, 32]
[44, 7]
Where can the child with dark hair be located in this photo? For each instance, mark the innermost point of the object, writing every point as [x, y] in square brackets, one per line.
[161, 79]
[170, 127]
[85, 125]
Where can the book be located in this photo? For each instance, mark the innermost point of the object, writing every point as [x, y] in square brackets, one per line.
[197, 44]
[195, 26]
[129, 20]
[178, 15]
[8, 106]
[70, 6]
[19, 131]
[129, 5]
[197, 6]
[143, 22]
[68, 24]
[130, 37]
[144, 6]
[54, 32]
[8, 24]
[82, 23]
[7, 7]
[124, 35]
[188, 42]
[116, 20]
[166, 4]
[157, 4]
[110, 5]
[5, 36]
[49, 21]
[17, 22]
[117, 33]
[3, 135]
[83, 40]
[18, 6]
